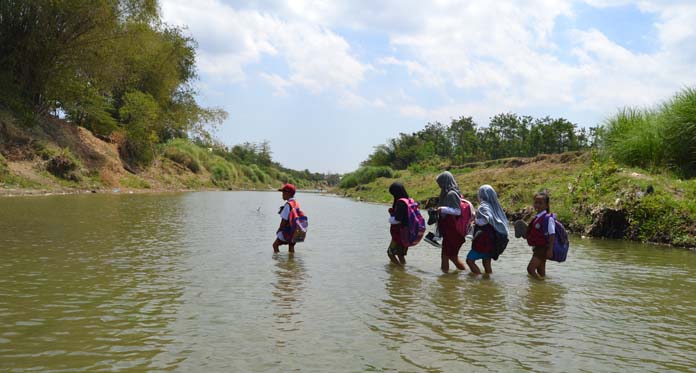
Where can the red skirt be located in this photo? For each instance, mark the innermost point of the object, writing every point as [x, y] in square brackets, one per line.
[452, 241]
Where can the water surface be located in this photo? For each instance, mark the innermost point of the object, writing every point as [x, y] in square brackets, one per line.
[188, 282]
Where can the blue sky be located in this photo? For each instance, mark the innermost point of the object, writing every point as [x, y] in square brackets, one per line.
[326, 81]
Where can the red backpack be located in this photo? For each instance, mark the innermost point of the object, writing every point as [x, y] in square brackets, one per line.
[296, 230]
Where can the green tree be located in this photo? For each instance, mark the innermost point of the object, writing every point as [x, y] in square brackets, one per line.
[462, 134]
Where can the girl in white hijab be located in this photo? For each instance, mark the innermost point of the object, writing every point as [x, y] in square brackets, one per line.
[491, 225]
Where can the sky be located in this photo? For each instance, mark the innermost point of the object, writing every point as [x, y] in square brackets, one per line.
[326, 81]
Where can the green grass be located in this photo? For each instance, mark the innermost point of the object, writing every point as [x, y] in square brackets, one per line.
[366, 174]
[576, 188]
[226, 173]
[678, 120]
[634, 137]
[134, 182]
[656, 139]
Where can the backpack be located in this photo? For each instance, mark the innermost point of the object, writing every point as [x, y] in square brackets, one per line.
[463, 220]
[560, 243]
[298, 223]
[500, 241]
[412, 232]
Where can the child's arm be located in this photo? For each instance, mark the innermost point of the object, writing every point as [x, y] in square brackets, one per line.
[549, 250]
[551, 232]
[284, 211]
[444, 210]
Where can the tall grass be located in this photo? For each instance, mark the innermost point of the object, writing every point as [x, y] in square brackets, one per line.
[678, 117]
[633, 136]
[656, 139]
[364, 175]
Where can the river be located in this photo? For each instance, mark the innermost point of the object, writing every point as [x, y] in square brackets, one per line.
[189, 282]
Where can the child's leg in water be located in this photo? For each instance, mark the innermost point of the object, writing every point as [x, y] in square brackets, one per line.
[457, 263]
[276, 245]
[473, 267]
[391, 254]
[533, 268]
[541, 269]
[291, 247]
[487, 265]
[444, 266]
[402, 259]
[392, 257]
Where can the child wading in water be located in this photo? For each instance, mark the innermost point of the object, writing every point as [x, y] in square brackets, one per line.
[490, 219]
[449, 211]
[398, 217]
[284, 232]
[540, 235]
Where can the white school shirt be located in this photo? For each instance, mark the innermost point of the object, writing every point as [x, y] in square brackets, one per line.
[285, 213]
[552, 223]
[450, 211]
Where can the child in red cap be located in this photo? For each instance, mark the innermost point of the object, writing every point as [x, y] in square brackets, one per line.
[284, 233]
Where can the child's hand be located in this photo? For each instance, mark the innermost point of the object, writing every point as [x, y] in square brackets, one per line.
[391, 210]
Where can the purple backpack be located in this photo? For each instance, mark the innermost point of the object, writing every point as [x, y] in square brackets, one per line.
[561, 243]
[412, 232]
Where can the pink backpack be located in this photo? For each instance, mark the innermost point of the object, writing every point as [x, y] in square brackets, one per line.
[463, 220]
[412, 232]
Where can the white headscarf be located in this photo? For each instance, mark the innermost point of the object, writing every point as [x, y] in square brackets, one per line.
[491, 210]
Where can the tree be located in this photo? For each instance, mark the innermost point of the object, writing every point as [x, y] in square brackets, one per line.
[462, 135]
[102, 63]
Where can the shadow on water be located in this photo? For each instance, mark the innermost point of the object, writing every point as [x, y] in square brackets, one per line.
[287, 291]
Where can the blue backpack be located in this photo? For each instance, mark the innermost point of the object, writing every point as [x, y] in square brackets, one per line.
[561, 243]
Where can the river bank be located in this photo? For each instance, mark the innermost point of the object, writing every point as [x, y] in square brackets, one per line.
[52, 156]
[591, 195]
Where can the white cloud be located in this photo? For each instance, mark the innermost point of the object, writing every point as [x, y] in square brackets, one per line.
[278, 83]
[230, 40]
[500, 55]
[414, 68]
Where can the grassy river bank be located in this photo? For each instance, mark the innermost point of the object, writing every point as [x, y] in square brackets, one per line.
[592, 195]
[53, 156]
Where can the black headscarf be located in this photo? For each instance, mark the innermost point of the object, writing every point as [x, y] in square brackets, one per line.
[398, 191]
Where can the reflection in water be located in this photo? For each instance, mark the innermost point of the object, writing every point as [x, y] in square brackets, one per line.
[542, 320]
[403, 290]
[287, 295]
[543, 302]
[487, 307]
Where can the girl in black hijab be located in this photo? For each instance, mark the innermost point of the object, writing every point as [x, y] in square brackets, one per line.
[398, 218]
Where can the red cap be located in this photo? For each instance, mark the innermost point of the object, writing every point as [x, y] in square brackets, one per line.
[288, 188]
